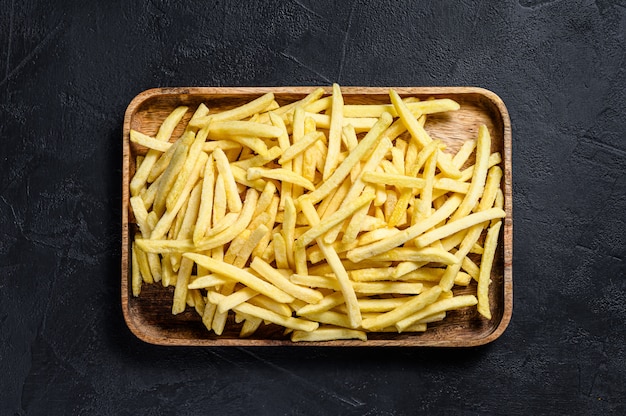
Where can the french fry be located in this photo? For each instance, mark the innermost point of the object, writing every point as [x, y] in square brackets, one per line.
[239, 113]
[486, 263]
[223, 167]
[327, 334]
[334, 134]
[280, 174]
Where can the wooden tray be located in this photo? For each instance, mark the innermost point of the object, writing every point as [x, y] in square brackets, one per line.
[149, 316]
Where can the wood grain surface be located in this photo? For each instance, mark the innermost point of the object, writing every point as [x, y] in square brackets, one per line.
[149, 315]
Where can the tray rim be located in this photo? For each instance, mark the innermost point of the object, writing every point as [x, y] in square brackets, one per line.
[492, 97]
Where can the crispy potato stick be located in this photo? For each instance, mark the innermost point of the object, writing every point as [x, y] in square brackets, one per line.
[280, 174]
[211, 145]
[415, 304]
[236, 298]
[249, 327]
[377, 288]
[397, 180]
[336, 218]
[272, 211]
[406, 267]
[382, 305]
[463, 153]
[456, 302]
[330, 318]
[349, 137]
[270, 304]
[484, 279]
[136, 278]
[277, 279]
[386, 244]
[297, 127]
[371, 274]
[203, 282]
[335, 263]
[205, 211]
[238, 113]
[328, 334]
[425, 201]
[280, 251]
[267, 315]
[222, 224]
[185, 173]
[165, 222]
[164, 246]
[334, 132]
[255, 144]
[182, 281]
[331, 203]
[327, 303]
[232, 195]
[228, 129]
[245, 216]
[300, 146]
[242, 276]
[164, 134]
[288, 108]
[423, 107]
[360, 124]
[458, 225]
[427, 254]
[288, 231]
[444, 161]
[342, 171]
[149, 142]
[240, 176]
[451, 185]
[480, 174]
[320, 105]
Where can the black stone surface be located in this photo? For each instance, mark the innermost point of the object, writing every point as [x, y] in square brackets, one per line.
[69, 69]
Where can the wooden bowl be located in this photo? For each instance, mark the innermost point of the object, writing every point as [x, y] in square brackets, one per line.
[149, 315]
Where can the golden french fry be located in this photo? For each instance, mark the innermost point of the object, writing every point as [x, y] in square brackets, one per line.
[280, 174]
[283, 283]
[334, 133]
[486, 263]
[458, 225]
[232, 195]
[328, 334]
[238, 113]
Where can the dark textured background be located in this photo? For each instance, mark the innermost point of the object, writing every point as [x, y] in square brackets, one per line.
[69, 69]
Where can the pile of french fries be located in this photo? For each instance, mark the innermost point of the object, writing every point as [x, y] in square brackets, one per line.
[331, 220]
